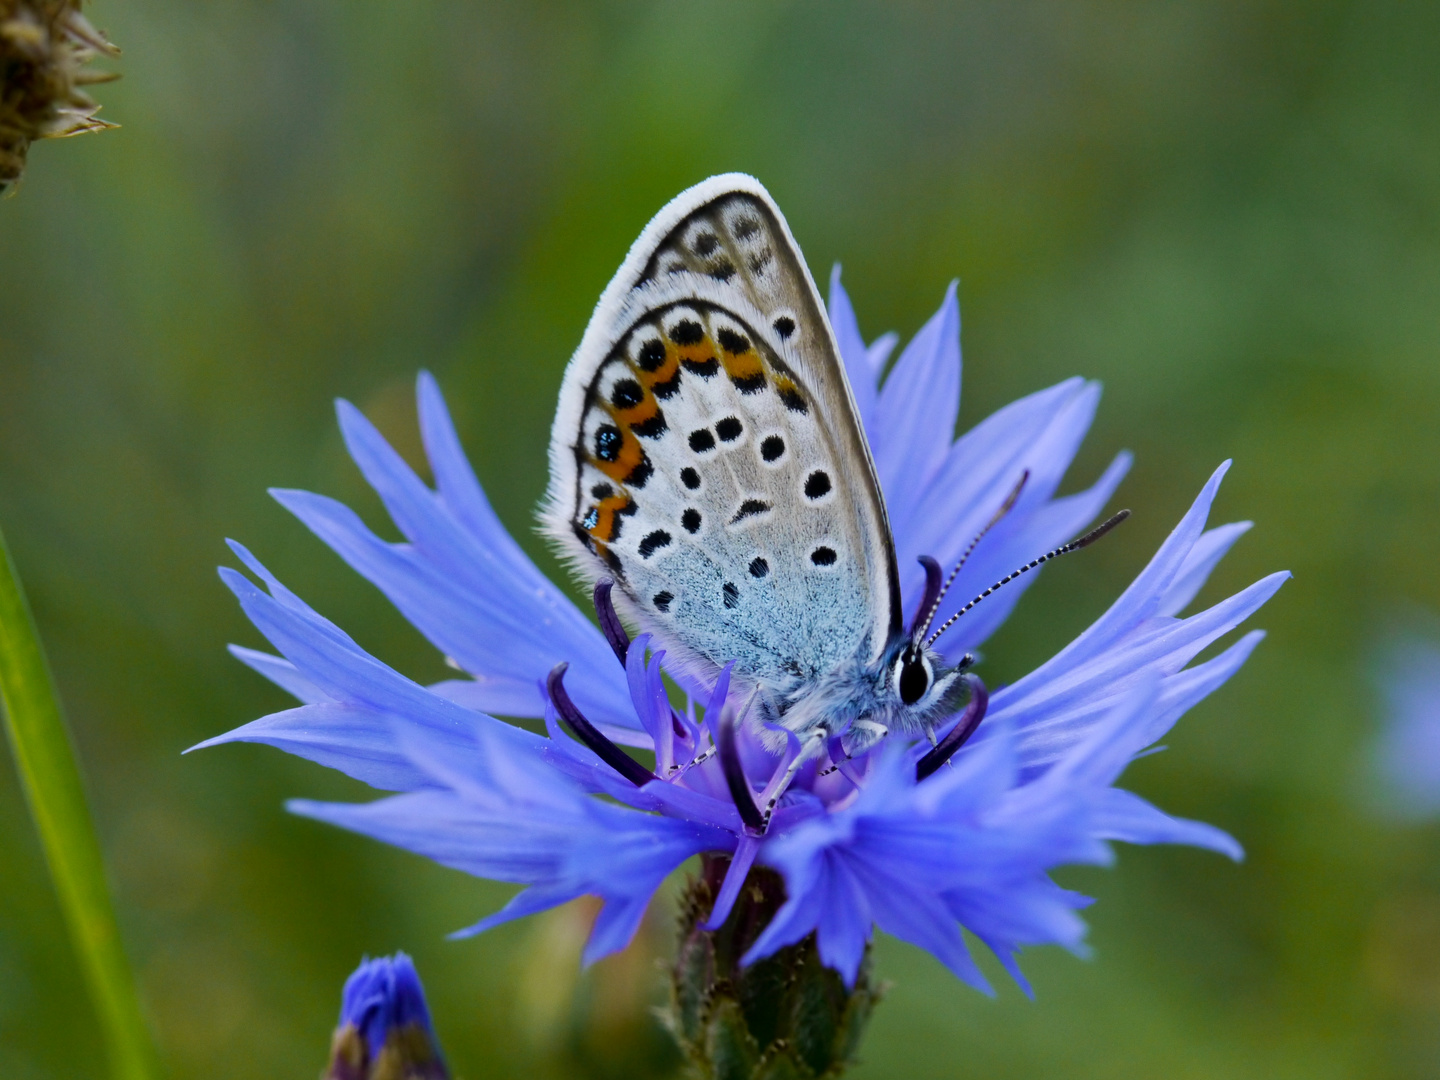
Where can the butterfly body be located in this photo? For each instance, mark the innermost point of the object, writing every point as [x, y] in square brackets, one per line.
[706, 454]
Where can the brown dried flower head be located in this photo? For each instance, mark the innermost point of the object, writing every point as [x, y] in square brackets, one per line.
[45, 46]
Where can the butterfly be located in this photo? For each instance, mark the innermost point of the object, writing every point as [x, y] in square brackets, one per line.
[707, 455]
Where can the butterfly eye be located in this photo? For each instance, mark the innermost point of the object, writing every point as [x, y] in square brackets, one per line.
[914, 678]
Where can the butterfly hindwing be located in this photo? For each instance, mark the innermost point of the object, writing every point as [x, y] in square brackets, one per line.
[706, 452]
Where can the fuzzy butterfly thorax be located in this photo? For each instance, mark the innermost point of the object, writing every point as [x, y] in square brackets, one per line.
[707, 455]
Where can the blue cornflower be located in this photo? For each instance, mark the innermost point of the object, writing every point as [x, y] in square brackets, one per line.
[1407, 753]
[918, 841]
[384, 1031]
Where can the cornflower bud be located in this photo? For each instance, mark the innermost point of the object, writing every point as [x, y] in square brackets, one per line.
[384, 1031]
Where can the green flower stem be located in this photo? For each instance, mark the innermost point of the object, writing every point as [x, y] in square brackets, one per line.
[786, 1017]
[50, 776]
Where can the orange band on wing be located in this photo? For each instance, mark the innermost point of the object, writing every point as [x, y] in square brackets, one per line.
[606, 516]
[637, 415]
[627, 460]
[662, 380]
[745, 369]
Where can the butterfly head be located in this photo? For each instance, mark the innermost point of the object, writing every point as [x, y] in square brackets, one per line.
[921, 685]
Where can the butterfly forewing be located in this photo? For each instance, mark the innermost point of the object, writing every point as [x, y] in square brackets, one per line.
[707, 456]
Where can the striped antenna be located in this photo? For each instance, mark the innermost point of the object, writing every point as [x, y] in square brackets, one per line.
[1074, 545]
[923, 627]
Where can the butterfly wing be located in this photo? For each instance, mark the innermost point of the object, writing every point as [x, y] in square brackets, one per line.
[707, 455]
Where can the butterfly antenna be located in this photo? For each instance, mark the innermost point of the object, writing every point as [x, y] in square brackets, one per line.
[923, 626]
[1074, 545]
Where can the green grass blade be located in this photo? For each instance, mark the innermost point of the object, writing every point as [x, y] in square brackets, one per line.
[51, 779]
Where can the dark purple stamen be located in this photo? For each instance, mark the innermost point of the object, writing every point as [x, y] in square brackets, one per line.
[609, 621]
[619, 640]
[969, 721]
[588, 734]
[933, 577]
[735, 775]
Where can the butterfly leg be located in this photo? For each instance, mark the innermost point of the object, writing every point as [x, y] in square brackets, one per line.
[864, 735]
[699, 759]
[812, 743]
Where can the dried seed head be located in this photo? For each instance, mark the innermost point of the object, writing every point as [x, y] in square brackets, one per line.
[45, 46]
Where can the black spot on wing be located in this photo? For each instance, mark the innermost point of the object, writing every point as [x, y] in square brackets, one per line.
[706, 243]
[732, 342]
[615, 524]
[690, 478]
[608, 442]
[759, 567]
[651, 356]
[666, 390]
[686, 332]
[784, 326]
[640, 475]
[653, 542]
[792, 399]
[702, 440]
[732, 595]
[823, 556]
[750, 508]
[652, 428]
[691, 520]
[602, 491]
[661, 600]
[626, 394]
[706, 369]
[771, 447]
[729, 429]
[746, 227]
[723, 270]
[817, 484]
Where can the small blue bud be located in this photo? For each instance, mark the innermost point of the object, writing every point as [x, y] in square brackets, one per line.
[385, 1031]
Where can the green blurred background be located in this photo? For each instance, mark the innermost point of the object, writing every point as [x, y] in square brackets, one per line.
[1230, 213]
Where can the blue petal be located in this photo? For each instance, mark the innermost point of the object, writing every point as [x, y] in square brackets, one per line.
[853, 354]
[1144, 597]
[921, 918]
[916, 412]
[1406, 755]
[1054, 705]
[1195, 570]
[279, 671]
[353, 729]
[462, 580]
[845, 924]
[460, 491]
[516, 820]
[502, 695]
[1125, 816]
[1026, 535]
[354, 740]
[971, 846]
[1041, 434]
